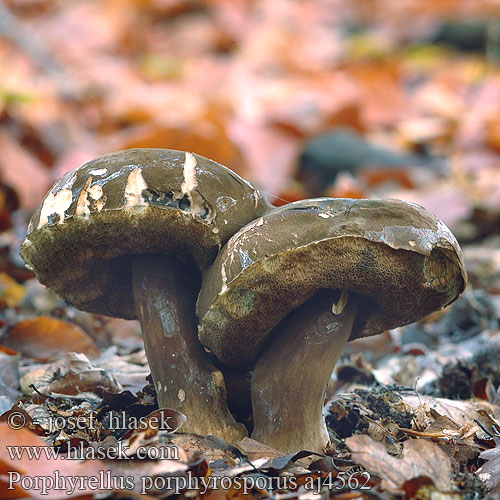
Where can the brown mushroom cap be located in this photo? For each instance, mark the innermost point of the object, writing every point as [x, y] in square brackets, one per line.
[81, 238]
[402, 261]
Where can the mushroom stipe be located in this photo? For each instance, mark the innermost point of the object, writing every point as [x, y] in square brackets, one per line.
[287, 292]
[185, 379]
[132, 234]
[129, 235]
[290, 378]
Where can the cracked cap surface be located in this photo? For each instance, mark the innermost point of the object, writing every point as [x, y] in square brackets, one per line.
[95, 218]
[398, 258]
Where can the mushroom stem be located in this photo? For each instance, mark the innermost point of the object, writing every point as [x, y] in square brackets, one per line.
[292, 374]
[185, 380]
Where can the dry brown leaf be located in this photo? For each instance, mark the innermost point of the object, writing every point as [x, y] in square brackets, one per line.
[91, 380]
[383, 99]
[22, 172]
[12, 491]
[69, 364]
[461, 412]
[43, 466]
[490, 471]
[210, 447]
[493, 134]
[11, 292]
[133, 380]
[422, 487]
[9, 377]
[419, 458]
[255, 450]
[45, 338]
[206, 139]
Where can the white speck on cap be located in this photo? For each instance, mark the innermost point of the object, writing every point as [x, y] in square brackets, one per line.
[54, 204]
[135, 186]
[98, 171]
[82, 204]
[190, 182]
[224, 280]
[95, 191]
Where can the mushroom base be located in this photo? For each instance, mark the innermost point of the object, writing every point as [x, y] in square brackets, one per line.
[291, 376]
[185, 380]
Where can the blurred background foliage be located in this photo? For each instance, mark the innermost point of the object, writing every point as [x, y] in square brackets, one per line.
[358, 98]
[349, 98]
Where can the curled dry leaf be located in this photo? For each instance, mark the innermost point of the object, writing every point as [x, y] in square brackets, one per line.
[43, 375]
[419, 459]
[44, 465]
[153, 446]
[255, 449]
[490, 471]
[210, 447]
[461, 412]
[94, 380]
[18, 415]
[45, 338]
[163, 419]
[130, 371]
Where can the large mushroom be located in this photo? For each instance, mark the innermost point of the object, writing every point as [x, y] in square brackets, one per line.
[129, 235]
[289, 290]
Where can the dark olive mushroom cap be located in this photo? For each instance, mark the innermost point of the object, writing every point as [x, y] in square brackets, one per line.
[82, 236]
[402, 261]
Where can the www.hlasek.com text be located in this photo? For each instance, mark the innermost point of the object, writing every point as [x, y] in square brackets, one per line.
[81, 451]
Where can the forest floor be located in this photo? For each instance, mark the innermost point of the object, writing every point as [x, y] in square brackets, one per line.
[409, 91]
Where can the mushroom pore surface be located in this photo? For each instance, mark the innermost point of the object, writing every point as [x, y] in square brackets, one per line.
[400, 260]
[94, 220]
[129, 235]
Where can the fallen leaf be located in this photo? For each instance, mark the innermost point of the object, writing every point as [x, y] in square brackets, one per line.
[383, 97]
[11, 292]
[19, 417]
[210, 447]
[419, 458]
[22, 172]
[255, 449]
[490, 471]
[9, 375]
[37, 477]
[45, 338]
[461, 412]
[92, 380]
[43, 375]
[423, 487]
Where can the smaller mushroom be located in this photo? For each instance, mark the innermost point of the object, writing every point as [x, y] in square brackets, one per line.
[289, 290]
[129, 235]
